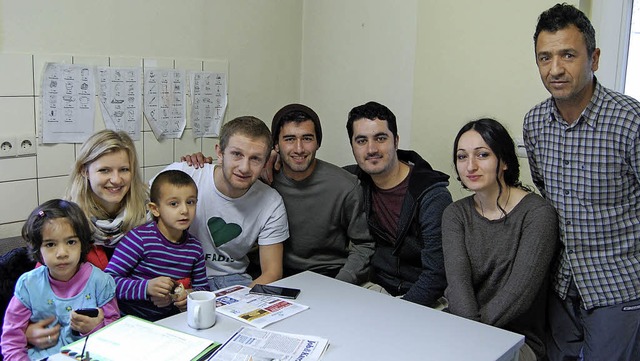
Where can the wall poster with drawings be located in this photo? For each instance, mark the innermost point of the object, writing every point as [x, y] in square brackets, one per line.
[208, 102]
[68, 106]
[121, 99]
[165, 102]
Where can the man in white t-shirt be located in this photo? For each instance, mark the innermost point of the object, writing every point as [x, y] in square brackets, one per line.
[234, 211]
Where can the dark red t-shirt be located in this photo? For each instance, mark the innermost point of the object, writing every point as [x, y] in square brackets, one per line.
[386, 205]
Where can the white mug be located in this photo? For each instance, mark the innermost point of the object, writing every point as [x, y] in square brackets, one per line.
[201, 309]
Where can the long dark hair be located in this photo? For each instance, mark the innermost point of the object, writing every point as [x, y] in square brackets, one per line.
[501, 144]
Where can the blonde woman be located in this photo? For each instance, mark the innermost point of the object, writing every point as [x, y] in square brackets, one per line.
[106, 184]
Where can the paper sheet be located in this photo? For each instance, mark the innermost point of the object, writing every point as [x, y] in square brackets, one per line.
[260, 345]
[208, 102]
[257, 310]
[132, 338]
[165, 102]
[121, 99]
[68, 104]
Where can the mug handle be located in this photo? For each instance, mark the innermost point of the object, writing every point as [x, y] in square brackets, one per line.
[196, 316]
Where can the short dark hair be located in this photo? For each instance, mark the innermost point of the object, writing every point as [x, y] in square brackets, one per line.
[563, 15]
[501, 144]
[173, 177]
[295, 113]
[54, 209]
[372, 110]
[247, 125]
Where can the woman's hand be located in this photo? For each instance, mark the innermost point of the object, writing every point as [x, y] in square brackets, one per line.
[40, 335]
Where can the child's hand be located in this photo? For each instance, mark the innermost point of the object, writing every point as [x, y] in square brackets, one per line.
[85, 324]
[159, 291]
[41, 336]
[180, 300]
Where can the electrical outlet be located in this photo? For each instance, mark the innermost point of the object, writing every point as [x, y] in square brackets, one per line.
[8, 147]
[26, 145]
[521, 151]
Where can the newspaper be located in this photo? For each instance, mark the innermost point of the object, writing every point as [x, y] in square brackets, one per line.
[250, 344]
[256, 310]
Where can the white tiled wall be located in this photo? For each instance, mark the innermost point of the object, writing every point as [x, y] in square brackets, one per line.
[28, 181]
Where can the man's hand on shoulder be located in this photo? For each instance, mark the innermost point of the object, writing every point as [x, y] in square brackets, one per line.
[272, 166]
[196, 160]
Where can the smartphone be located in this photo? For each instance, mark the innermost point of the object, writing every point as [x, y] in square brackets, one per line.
[91, 312]
[276, 291]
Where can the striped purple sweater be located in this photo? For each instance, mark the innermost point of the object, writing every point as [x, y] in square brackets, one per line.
[143, 254]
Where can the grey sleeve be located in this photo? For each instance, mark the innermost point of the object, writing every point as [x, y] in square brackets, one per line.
[459, 292]
[361, 244]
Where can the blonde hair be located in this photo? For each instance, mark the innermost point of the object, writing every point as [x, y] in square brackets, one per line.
[79, 191]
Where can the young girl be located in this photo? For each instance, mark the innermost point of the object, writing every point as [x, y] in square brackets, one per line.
[498, 243]
[58, 236]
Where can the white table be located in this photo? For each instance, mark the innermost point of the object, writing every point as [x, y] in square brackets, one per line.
[365, 325]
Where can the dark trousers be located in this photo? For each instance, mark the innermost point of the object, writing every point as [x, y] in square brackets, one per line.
[609, 333]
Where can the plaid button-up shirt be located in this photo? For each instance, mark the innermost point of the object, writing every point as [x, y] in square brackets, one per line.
[590, 172]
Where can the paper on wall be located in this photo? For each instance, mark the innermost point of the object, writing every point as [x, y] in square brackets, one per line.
[121, 99]
[208, 102]
[165, 102]
[68, 106]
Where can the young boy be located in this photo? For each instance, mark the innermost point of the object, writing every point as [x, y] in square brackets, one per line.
[154, 263]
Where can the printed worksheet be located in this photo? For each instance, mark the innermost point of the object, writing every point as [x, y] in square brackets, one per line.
[133, 338]
[165, 102]
[121, 99]
[68, 105]
[208, 102]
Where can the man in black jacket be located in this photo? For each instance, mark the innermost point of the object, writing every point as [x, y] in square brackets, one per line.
[404, 201]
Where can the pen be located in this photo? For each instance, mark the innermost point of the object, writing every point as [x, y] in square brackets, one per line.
[83, 348]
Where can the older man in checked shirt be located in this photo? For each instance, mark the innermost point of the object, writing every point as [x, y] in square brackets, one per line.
[583, 145]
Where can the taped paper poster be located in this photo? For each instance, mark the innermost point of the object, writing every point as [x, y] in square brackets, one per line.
[165, 102]
[208, 103]
[121, 99]
[68, 105]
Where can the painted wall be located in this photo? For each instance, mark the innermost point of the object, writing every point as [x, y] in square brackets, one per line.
[353, 52]
[474, 59]
[260, 40]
